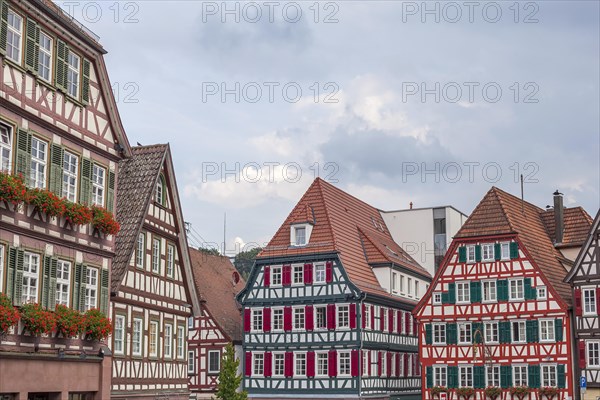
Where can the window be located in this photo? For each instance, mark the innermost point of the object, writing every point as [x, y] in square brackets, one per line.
[119, 334]
[542, 293]
[180, 341]
[31, 268]
[593, 354]
[383, 363]
[98, 175]
[191, 363]
[365, 362]
[492, 375]
[489, 291]
[440, 376]
[394, 282]
[63, 281]
[487, 252]
[520, 375]
[190, 322]
[516, 289]
[437, 298]
[402, 284]
[367, 317]
[549, 376]
[298, 275]
[343, 316]
[159, 191]
[505, 251]
[140, 250]
[278, 364]
[136, 337]
[5, 148]
[589, 301]
[277, 317]
[547, 330]
[69, 178]
[320, 273]
[417, 289]
[321, 317]
[465, 376]
[299, 319]
[39, 153]
[344, 363]
[153, 337]
[463, 292]
[300, 234]
[170, 260]
[491, 332]
[518, 332]
[385, 321]
[275, 276]
[168, 340]
[45, 57]
[409, 284]
[464, 333]
[439, 333]
[156, 255]
[300, 364]
[14, 38]
[470, 254]
[214, 361]
[257, 320]
[258, 364]
[91, 288]
[73, 62]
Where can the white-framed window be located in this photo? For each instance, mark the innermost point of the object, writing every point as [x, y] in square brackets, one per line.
[546, 330]
[63, 282]
[365, 362]
[490, 293]
[519, 375]
[159, 191]
[505, 250]
[343, 316]
[549, 376]
[401, 284]
[299, 364]
[153, 339]
[214, 361]
[190, 322]
[395, 321]
[119, 334]
[170, 261]
[492, 375]
[439, 333]
[300, 236]
[320, 274]
[299, 318]
[516, 290]
[156, 255]
[464, 333]
[463, 292]
[344, 363]
[39, 159]
[14, 38]
[278, 364]
[542, 293]
[394, 282]
[409, 284]
[31, 270]
[416, 289]
[589, 301]
[69, 177]
[73, 68]
[277, 319]
[440, 375]
[136, 337]
[465, 376]
[322, 361]
[593, 353]
[518, 332]
[386, 320]
[487, 252]
[181, 339]
[367, 316]
[437, 298]
[191, 361]
[98, 180]
[384, 363]
[45, 57]
[91, 288]
[275, 276]
[491, 332]
[5, 148]
[298, 274]
[257, 320]
[168, 340]
[320, 317]
[140, 251]
[471, 254]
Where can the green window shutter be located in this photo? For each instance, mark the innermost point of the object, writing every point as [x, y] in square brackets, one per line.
[104, 292]
[558, 330]
[429, 377]
[32, 46]
[534, 376]
[505, 376]
[479, 377]
[85, 188]
[61, 65]
[451, 333]
[23, 165]
[3, 26]
[56, 169]
[514, 250]
[76, 286]
[462, 254]
[18, 281]
[475, 292]
[428, 338]
[452, 377]
[46, 281]
[502, 289]
[561, 378]
[532, 331]
[52, 283]
[85, 86]
[478, 253]
[497, 252]
[110, 196]
[504, 331]
[82, 287]
[530, 292]
[444, 297]
[10, 272]
[451, 293]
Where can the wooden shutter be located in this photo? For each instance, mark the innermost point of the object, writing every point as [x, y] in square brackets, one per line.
[407, 323]
[267, 276]
[85, 187]
[287, 318]
[52, 284]
[23, 163]
[478, 253]
[429, 376]
[309, 320]
[60, 71]
[504, 331]
[363, 313]
[12, 283]
[110, 192]
[32, 46]
[332, 363]
[558, 330]
[289, 364]
[85, 81]
[379, 363]
[388, 363]
[268, 364]
[561, 376]
[399, 319]
[514, 250]
[308, 278]
[462, 254]
[310, 364]
[331, 316]
[76, 287]
[3, 26]
[381, 319]
[451, 333]
[352, 316]
[475, 292]
[286, 275]
[328, 272]
[451, 293]
[267, 319]
[578, 309]
[505, 376]
[452, 377]
[428, 334]
[247, 317]
[529, 291]
[248, 363]
[534, 376]
[502, 289]
[372, 318]
[405, 361]
[390, 320]
[532, 330]
[354, 368]
[57, 155]
[497, 251]
[82, 287]
[45, 282]
[582, 362]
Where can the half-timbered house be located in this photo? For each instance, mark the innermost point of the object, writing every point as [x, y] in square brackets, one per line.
[585, 281]
[317, 320]
[152, 289]
[59, 130]
[497, 313]
[219, 322]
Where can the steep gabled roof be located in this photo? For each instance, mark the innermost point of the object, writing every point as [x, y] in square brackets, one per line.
[593, 235]
[576, 226]
[215, 279]
[346, 225]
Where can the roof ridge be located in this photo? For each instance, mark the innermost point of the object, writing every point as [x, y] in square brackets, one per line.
[495, 191]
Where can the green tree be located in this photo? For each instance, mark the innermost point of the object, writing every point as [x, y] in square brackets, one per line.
[244, 261]
[212, 251]
[229, 380]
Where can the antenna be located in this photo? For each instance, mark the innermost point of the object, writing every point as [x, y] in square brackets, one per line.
[522, 198]
[224, 232]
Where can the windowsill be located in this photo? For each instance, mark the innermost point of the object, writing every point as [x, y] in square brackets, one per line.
[514, 300]
[213, 373]
[463, 302]
[46, 84]
[489, 301]
[275, 286]
[547, 341]
[157, 204]
[586, 315]
[14, 64]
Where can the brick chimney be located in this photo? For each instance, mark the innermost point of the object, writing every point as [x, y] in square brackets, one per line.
[559, 218]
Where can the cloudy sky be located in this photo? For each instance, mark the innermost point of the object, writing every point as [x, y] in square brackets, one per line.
[391, 101]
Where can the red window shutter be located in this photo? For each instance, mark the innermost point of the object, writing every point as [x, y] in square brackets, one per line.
[389, 363]
[363, 312]
[581, 345]
[287, 318]
[415, 326]
[247, 320]
[310, 364]
[414, 365]
[352, 316]
[379, 362]
[391, 321]
[418, 364]
[398, 363]
[308, 278]
[578, 302]
[267, 278]
[267, 319]
[289, 364]
[598, 300]
[331, 317]
[399, 327]
[381, 317]
[406, 356]
[309, 318]
[286, 279]
[332, 364]
[406, 323]
[329, 272]
[368, 362]
[248, 363]
[354, 363]
[372, 318]
[268, 364]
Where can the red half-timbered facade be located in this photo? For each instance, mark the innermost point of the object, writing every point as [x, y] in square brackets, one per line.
[219, 322]
[497, 313]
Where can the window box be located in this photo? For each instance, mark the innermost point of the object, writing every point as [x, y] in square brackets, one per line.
[436, 390]
[492, 392]
[548, 392]
[465, 392]
[519, 391]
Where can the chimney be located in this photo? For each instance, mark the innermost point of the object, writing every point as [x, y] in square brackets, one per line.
[559, 219]
[411, 205]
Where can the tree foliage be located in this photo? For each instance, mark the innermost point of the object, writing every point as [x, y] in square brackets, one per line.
[229, 380]
[244, 261]
[212, 251]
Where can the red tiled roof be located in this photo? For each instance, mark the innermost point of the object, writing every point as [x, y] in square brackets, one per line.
[576, 225]
[348, 226]
[214, 279]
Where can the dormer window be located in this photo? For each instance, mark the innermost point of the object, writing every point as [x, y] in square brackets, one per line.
[300, 234]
